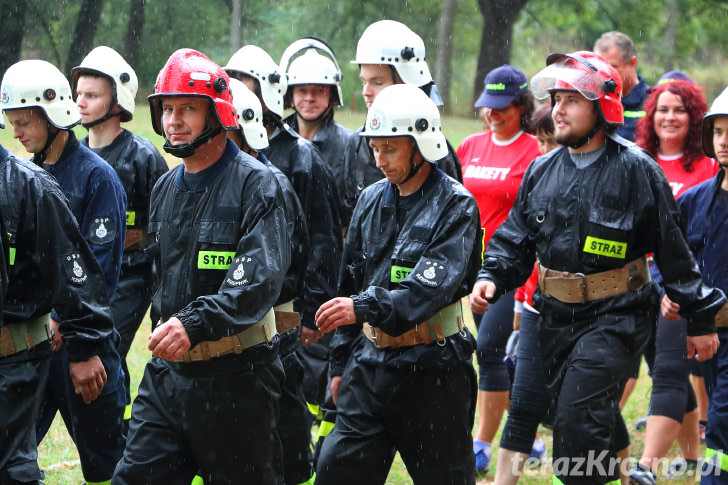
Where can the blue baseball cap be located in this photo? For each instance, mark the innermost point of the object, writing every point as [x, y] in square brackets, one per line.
[502, 84]
[671, 76]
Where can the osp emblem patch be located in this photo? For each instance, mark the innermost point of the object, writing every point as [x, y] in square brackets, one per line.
[240, 271]
[102, 230]
[75, 269]
[430, 273]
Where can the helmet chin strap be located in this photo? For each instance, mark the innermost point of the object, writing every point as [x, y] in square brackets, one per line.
[325, 113]
[107, 116]
[186, 150]
[585, 139]
[413, 168]
[41, 156]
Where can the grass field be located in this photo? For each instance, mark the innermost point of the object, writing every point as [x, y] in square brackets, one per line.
[57, 454]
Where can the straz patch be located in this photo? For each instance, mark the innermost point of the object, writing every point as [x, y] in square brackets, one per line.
[430, 273]
[130, 218]
[240, 272]
[398, 273]
[102, 230]
[604, 247]
[75, 269]
[215, 259]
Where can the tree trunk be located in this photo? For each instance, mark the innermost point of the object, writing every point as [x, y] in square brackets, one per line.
[236, 19]
[11, 34]
[443, 72]
[670, 32]
[495, 42]
[83, 36]
[133, 39]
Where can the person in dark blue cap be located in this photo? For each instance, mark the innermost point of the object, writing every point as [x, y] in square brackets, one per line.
[494, 162]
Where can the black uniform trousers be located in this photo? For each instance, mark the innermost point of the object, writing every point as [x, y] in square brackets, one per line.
[587, 362]
[294, 425]
[426, 414]
[22, 382]
[96, 428]
[129, 305]
[216, 419]
[715, 371]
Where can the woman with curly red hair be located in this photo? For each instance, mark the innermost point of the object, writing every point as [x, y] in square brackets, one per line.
[671, 131]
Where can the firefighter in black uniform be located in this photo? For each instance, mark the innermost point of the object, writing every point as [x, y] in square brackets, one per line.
[251, 137]
[208, 401]
[104, 87]
[50, 268]
[401, 355]
[387, 53]
[37, 101]
[312, 180]
[590, 211]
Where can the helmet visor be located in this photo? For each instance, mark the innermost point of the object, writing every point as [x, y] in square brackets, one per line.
[565, 75]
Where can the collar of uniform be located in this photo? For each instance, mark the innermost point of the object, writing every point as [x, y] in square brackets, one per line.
[209, 174]
[636, 98]
[322, 134]
[121, 138]
[435, 175]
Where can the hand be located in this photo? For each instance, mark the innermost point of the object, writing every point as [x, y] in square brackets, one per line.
[57, 341]
[483, 291]
[335, 313]
[88, 377]
[335, 386]
[703, 347]
[669, 309]
[309, 336]
[169, 340]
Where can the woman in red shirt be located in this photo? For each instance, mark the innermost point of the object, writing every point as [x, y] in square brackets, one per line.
[494, 162]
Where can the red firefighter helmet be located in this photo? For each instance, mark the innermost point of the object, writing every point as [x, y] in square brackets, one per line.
[587, 73]
[191, 73]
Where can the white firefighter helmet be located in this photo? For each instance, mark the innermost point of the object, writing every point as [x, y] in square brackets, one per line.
[317, 65]
[250, 115]
[393, 43]
[255, 62]
[405, 110]
[33, 82]
[107, 62]
[718, 108]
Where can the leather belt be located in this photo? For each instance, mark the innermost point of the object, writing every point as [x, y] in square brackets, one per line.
[443, 324]
[19, 336]
[286, 318]
[263, 331]
[721, 318]
[580, 288]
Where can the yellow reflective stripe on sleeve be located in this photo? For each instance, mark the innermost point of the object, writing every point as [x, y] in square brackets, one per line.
[127, 411]
[315, 409]
[11, 256]
[604, 247]
[398, 273]
[324, 429]
[130, 218]
[215, 259]
[722, 458]
[635, 114]
[311, 480]
[197, 480]
[107, 482]
[482, 245]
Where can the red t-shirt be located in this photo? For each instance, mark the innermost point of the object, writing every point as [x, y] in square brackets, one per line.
[492, 172]
[679, 179]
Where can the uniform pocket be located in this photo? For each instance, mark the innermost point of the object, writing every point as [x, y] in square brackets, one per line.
[607, 236]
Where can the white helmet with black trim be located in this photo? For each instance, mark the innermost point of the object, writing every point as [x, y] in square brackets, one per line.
[718, 108]
[251, 60]
[250, 115]
[37, 83]
[317, 65]
[107, 62]
[405, 110]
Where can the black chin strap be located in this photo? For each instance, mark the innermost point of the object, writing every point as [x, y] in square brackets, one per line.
[582, 141]
[41, 156]
[413, 168]
[324, 114]
[107, 116]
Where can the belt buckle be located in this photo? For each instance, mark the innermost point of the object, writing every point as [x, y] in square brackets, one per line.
[582, 276]
[635, 280]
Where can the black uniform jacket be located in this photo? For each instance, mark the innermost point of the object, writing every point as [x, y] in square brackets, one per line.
[223, 249]
[51, 266]
[360, 170]
[297, 234]
[311, 178]
[596, 219]
[405, 259]
[138, 165]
